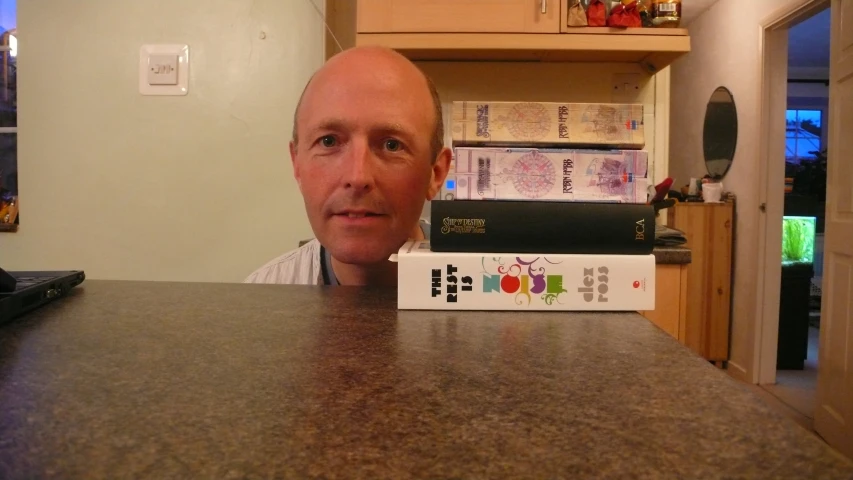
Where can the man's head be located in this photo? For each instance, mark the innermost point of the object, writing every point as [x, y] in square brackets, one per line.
[367, 152]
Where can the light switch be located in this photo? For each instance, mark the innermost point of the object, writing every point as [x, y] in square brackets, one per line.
[163, 70]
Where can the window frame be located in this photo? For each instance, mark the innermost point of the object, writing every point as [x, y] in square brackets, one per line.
[795, 158]
[10, 227]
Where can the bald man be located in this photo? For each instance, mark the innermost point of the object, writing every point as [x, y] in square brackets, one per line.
[367, 152]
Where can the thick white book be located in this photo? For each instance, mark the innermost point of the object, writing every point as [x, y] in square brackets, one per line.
[430, 280]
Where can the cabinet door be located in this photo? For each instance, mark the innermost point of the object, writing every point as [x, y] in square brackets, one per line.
[459, 16]
[670, 299]
[708, 228]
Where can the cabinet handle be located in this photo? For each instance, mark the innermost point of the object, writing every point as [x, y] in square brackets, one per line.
[544, 6]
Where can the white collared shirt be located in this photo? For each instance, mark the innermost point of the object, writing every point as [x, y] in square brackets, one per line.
[302, 266]
[296, 267]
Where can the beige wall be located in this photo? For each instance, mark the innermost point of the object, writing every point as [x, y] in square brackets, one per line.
[198, 188]
[725, 52]
[159, 188]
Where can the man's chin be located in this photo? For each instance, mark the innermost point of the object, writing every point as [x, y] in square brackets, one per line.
[361, 256]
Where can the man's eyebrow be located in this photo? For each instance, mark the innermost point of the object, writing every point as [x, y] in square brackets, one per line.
[383, 128]
[392, 128]
[330, 124]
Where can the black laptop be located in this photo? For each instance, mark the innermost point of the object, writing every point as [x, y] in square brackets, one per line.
[21, 292]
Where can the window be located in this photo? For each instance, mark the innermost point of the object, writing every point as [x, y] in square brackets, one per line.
[804, 131]
[8, 112]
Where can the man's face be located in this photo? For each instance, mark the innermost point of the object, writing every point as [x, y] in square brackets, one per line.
[363, 161]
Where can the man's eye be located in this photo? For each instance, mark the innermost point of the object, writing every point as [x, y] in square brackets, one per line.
[328, 141]
[393, 145]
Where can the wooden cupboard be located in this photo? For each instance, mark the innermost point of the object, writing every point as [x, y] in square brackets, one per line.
[496, 30]
[708, 228]
[670, 313]
[460, 16]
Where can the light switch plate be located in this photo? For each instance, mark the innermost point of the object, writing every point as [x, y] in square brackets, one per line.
[626, 87]
[162, 69]
[156, 76]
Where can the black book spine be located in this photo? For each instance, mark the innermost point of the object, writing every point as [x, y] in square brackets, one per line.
[510, 226]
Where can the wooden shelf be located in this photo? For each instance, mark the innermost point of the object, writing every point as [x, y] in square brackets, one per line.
[652, 48]
[651, 32]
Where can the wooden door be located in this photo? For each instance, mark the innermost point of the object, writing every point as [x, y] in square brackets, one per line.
[834, 414]
[459, 16]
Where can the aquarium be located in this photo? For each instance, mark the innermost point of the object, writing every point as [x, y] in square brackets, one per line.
[798, 237]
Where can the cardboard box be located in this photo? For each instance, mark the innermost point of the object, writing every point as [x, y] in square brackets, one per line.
[535, 123]
[550, 174]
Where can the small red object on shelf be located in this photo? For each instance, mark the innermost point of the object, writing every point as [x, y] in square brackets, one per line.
[596, 15]
[661, 190]
[625, 16]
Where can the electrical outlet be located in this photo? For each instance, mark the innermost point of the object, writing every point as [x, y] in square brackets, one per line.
[625, 87]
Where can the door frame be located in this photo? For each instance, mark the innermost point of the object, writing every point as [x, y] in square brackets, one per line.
[773, 49]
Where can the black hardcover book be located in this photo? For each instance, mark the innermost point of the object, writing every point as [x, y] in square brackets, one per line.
[523, 226]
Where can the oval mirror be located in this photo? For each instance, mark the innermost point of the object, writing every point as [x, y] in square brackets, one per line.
[720, 135]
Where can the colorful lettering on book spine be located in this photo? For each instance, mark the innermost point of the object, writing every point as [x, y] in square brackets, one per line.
[522, 278]
[499, 276]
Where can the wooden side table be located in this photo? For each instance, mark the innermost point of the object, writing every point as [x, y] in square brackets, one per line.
[708, 227]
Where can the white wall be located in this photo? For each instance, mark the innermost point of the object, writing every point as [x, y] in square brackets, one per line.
[725, 52]
[808, 90]
[159, 188]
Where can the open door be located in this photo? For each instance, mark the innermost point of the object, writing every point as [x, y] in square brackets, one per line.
[834, 414]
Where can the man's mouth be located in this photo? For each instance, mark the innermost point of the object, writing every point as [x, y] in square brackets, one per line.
[357, 214]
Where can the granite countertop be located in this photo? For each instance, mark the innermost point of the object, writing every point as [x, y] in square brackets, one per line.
[672, 255]
[170, 380]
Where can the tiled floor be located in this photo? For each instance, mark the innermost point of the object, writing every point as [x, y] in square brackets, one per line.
[795, 390]
[780, 406]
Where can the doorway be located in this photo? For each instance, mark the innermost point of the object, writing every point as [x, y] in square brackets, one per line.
[803, 213]
[833, 409]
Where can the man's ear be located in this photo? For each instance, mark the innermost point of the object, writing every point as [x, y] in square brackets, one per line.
[439, 172]
[295, 165]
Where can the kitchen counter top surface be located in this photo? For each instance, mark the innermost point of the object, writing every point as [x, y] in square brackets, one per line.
[672, 255]
[203, 380]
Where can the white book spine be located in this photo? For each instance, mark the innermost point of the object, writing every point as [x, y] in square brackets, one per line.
[484, 281]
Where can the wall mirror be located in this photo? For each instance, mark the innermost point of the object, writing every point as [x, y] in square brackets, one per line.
[720, 134]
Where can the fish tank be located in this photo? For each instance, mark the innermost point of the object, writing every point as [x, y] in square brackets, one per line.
[798, 238]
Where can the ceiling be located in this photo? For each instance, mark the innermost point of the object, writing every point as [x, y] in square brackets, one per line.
[808, 45]
[690, 9]
[808, 42]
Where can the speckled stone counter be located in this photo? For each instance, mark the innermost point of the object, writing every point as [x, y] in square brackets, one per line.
[672, 255]
[162, 380]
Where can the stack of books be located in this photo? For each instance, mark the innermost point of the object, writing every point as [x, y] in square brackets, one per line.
[545, 209]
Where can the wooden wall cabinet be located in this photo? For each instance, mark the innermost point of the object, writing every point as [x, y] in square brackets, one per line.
[494, 30]
[708, 227]
[460, 16]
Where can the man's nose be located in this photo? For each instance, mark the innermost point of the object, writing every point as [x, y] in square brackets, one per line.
[359, 167]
